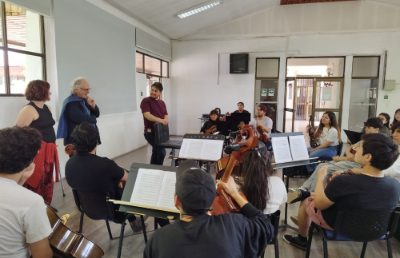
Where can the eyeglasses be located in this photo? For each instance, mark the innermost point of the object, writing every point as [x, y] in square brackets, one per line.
[86, 89]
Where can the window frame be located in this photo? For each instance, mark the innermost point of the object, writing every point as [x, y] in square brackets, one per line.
[161, 64]
[7, 49]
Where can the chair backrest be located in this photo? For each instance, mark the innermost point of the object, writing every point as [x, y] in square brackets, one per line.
[94, 204]
[365, 225]
[161, 133]
[339, 150]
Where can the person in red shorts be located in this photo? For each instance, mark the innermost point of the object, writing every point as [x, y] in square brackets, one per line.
[370, 190]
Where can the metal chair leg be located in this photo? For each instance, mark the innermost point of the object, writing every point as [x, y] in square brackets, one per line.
[81, 222]
[364, 248]
[121, 238]
[276, 247]
[309, 240]
[389, 247]
[109, 230]
[144, 229]
[60, 177]
[325, 247]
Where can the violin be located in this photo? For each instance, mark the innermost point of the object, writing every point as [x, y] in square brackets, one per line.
[223, 202]
[348, 172]
[311, 134]
[211, 130]
[67, 243]
[70, 150]
[261, 131]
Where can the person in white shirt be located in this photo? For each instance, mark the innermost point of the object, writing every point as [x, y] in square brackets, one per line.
[328, 137]
[24, 225]
[264, 191]
[262, 120]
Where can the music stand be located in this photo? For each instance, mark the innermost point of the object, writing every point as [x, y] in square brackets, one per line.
[130, 183]
[285, 166]
[353, 137]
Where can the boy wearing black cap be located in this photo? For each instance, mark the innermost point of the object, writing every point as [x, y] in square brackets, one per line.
[198, 234]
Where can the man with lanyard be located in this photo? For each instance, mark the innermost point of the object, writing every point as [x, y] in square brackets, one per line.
[198, 234]
[76, 109]
[262, 120]
[154, 110]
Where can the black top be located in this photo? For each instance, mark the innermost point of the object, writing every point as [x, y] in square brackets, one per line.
[89, 172]
[209, 124]
[44, 124]
[244, 111]
[76, 115]
[352, 192]
[228, 235]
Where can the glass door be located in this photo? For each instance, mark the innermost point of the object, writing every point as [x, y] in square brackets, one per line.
[327, 96]
[289, 110]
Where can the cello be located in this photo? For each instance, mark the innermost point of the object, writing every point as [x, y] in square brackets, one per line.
[66, 243]
[223, 202]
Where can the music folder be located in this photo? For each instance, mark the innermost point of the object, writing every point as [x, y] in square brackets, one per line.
[353, 137]
[204, 147]
[150, 190]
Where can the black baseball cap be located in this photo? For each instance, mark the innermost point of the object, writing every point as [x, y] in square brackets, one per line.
[195, 188]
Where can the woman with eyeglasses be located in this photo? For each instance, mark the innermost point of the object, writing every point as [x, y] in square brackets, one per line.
[76, 109]
[37, 114]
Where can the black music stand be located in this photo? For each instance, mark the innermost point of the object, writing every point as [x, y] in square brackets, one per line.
[205, 137]
[130, 183]
[285, 166]
[235, 118]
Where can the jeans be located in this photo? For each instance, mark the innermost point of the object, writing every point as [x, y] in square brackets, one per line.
[332, 167]
[158, 154]
[328, 152]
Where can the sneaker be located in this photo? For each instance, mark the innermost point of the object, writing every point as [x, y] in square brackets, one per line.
[295, 241]
[297, 194]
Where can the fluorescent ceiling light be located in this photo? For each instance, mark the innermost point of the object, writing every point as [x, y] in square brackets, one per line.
[198, 8]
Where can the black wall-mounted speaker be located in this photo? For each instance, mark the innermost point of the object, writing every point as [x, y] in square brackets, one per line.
[239, 63]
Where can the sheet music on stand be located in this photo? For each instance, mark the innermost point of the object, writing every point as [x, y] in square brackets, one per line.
[157, 200]
[203, 147]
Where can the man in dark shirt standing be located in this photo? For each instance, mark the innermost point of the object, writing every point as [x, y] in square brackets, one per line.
[370, 190]
[198, 234]
[77, 108]
[154, 110]
[85, 171]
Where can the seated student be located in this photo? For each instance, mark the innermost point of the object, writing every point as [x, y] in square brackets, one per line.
[212, 121]
[396, 117]
[264, 191]
[394, 170]
[383, 129]
[240, 109]
[198, 234]
[24, 225]
[370, 190]
[372, 125]
[262, 120]
[86, 171]
[328, 136]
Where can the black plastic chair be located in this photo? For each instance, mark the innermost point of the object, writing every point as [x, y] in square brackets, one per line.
[162, 140]
[339, 151]
[274, 218]
[359, 226]
[96, 207]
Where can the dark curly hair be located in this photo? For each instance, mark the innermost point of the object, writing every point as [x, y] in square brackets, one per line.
[84, 137]
[37, 90]
[384, 151]
[18, 148]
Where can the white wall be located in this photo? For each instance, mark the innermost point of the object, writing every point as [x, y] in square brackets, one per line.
[200, 84]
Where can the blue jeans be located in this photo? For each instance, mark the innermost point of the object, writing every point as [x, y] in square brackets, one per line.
[328, 152]
[158, 154]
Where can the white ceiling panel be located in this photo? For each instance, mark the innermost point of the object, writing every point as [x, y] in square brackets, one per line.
[161, 14]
